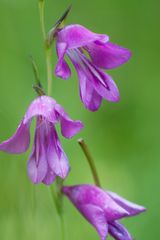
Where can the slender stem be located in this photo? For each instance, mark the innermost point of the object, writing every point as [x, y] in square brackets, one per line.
[62, 227]
[34, 209]
[47, 47]
[59, 184]
[56, 196]
[41, 11]
[90, 161]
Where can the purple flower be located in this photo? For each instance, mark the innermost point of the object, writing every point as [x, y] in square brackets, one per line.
[47, 159]
[77, 42]
[103, 209]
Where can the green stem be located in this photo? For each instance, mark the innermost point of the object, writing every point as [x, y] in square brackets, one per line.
[34, 210]
[62, 227]
[56, 196]
[47, 47]
[41, 4]
[57, 200]
[90, 161]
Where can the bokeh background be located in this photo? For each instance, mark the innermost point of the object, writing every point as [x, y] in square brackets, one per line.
[124, 138]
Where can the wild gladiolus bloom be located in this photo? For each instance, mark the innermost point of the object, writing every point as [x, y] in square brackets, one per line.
[103, 209]
[47, 159]
[77, 42]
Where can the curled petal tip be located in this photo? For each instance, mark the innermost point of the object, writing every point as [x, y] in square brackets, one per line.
[143, 209]
[128, 54]
[131, 208]
[62, 72]
[19, 142]
[76, 128]
[116, 98]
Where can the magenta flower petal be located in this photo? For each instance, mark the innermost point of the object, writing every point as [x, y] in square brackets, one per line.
[48, 158]
[101, 82]
[106, 87]
[50, 177]
[42, 106]
[37, 164]
[68, 127]
[101, 210]
[89, 96]
[76, 36]
[37, 167]
[96, 216]
[108, 55]
[118, 231]
[62, 69]
[88, 194]
[74, 41]
[19, 142]
[131, 208]
[57, 158]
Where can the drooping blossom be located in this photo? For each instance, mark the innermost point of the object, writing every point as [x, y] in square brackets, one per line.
[90, 53]
[103, 209]
[47, 159]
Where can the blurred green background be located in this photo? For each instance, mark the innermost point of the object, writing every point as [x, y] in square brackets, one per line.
[124, 138]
